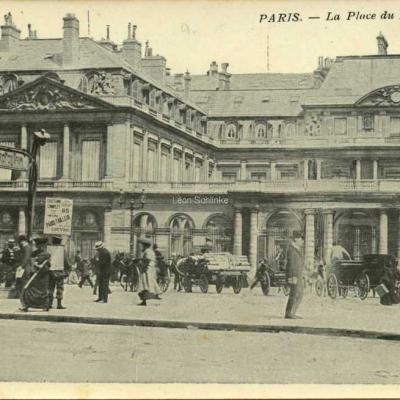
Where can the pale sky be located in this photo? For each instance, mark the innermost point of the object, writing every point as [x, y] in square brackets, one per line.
[191, 34]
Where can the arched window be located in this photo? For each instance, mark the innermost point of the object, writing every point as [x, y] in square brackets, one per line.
[231, 131]
[261, 131]
[290, 130]
[181, 235]
[219, 230]
[144, 226]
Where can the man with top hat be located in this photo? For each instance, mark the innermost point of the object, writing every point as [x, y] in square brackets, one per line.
[8, 258]
[103, 271]
[148, 287]
[24, 265]
[294, 274]
[57, 276]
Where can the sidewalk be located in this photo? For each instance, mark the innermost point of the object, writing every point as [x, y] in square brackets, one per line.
[248, 311]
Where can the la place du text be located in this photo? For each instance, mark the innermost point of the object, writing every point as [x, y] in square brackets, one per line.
[198, 200]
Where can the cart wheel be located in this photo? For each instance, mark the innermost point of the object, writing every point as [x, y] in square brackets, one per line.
[265, 285]
[363, 286]
[219, 285]
[163, 283]
[344, 291]
[237, 285]
[332, 286]
[187, 284]
[203, 283]
[319, 287]
[286, 290]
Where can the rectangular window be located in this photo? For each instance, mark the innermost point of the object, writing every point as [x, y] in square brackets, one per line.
[395, 126]
[177, 169]
[5, 174]
[137, 162]
[164, 167]
[48, 161]
[90, 160]
[228, 177]
[258, 176]
[151, 165]
[340, 126]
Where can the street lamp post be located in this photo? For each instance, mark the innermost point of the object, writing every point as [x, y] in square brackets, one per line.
[39, 139]
[134, 204]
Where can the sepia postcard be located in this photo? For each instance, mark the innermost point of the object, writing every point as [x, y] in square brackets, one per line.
[199, 199]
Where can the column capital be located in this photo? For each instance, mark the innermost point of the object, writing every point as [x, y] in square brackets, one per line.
[328, 212]
[309, 211]
[237, 209]
[255, 209]
[383, 211]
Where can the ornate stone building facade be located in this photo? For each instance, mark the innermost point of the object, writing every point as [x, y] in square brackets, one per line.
[244, 159]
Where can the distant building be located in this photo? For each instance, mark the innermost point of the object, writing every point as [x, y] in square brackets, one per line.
[244, 159]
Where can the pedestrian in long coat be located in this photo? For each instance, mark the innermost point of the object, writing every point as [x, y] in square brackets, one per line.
[294, 274]
[104, 271]
[148, 287]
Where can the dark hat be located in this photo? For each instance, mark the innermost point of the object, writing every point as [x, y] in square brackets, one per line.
[40, 240]
[22, 238]
[208, 240]
[56, 239]
[145, 241]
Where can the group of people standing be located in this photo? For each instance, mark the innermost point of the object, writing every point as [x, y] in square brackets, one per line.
[29, 273]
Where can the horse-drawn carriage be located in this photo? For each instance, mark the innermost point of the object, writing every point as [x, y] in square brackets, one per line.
[272, 276]
[219, 269]
[361, 276]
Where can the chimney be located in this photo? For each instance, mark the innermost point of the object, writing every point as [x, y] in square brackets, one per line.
[70, 40]
[131, 48]
[178, 82]
[108, 43]
[10, 34]
[227, 76]
[382, 44]
[154, 66]
[213, 71]
[187, 79]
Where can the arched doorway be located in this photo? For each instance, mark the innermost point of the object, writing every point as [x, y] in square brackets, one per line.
[144, 226]
[278, 229]
[357, 232]
[220, 231]
[181, 235]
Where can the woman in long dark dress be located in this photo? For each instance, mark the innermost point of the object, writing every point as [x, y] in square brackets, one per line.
[35, 292]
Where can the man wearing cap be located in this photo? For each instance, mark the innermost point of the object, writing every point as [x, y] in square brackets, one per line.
[104, 271]
[57, 278]
[294, 274]
[9, 260]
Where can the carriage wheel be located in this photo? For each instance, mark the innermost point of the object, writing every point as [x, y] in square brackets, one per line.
[265, 285]
[203, 283]
[319, 287]
[363, 286]
[163, 283]
[187, 284]
[286, 290]
[237, 285]
[123, 282]
[344, 291]
[332, 286]
[219, 285]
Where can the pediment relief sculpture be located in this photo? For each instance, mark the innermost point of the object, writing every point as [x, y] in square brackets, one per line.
[388, 96]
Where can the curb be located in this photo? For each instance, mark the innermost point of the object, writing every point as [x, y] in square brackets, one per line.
[307, 330]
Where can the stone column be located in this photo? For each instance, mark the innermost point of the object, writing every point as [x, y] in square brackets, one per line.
[22, 221]
[273, 171]
[107, 227]
[243, 170]
[375, 169]
[309, 246]
[383, 232]
[328, 234]
[145, 156]
[24, 145]
[159, 173]
[237, 238]
[183, 161]
[358, 169]
[66, 153]
[109, 157]
[253, 240]
[305, 169]
[319, 169]
[172, 166]
[206, 168]
[398, 237]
